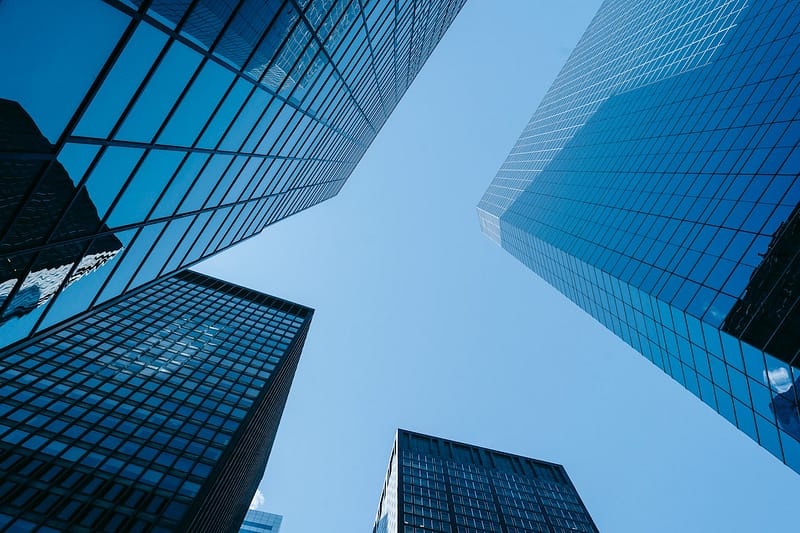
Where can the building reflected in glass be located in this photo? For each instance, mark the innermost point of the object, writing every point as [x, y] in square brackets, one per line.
[187, 126]
[30, 211]
[657, 187]
[261, 522]
[434, 484]
[154, 412]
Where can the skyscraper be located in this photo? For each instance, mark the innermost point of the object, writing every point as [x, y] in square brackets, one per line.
[154, 412]
[261, 522]
[435, 484]
[656, 186]
[181, 127]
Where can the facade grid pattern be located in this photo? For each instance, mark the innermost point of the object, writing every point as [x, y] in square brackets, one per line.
[437, 485]
[193, 124]
[659, 189]
[133, 416]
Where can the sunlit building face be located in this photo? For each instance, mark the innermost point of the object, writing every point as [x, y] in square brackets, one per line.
[657, 187]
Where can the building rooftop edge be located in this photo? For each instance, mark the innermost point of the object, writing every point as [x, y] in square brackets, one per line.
[399, 430]
[249, 291]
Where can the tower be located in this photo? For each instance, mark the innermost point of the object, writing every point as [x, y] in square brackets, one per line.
[154, 412]
[187, 126]
[656, 186]
[435, 484]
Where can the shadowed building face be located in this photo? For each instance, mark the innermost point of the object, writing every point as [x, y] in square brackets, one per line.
[435, 484]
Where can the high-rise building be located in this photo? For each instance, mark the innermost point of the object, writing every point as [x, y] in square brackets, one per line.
[435, 484]
[657, 187]
[153, 412]
[261, 522]
[174, 129]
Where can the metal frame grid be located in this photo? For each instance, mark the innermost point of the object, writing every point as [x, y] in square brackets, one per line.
[264, 148]
[440, 485]
[652, 200]
[137, 415]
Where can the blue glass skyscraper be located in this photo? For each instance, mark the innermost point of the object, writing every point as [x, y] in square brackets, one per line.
[138, 137]
[657, 187]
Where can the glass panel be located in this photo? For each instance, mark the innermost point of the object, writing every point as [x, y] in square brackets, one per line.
[248, 173]
[197, 106]
[45, 30]
[207, 19]
[142, 192]
[130, 261]
[204, 238]
[205, 183]
[187, 242]
[261, 66]
[232, 175]
[121, 83]
[170, 12]
[245, 31]
[110, 174]
[76, 158]
[160, 94]
[81, 292]
[225, 115]
[180, 184]
[241, 127]
[162, 249]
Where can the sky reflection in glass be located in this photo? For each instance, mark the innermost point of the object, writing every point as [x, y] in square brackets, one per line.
[657, 188]
[197, 124]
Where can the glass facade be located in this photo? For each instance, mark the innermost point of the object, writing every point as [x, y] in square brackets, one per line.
[185, 127]
[261, 522]
[435, 484]
[155, 412]
[657, 187]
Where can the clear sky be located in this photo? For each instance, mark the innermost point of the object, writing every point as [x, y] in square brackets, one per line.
[423, 323]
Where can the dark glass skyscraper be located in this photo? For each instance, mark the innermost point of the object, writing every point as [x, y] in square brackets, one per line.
[434, 484]
[177, 128]
[657, 187]
[154, 412]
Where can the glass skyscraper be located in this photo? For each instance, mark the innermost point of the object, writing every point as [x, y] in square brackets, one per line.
[435, 484]
[138, 137]
[657, 187]
[261, 522]
[154, 412]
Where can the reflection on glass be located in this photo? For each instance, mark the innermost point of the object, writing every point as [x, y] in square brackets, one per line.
[786, 409]
[768, 315]
[244, 36]
[383, 524]
[32, 214]
[170, 348]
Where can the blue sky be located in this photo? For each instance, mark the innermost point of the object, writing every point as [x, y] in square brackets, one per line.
[423, 323]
